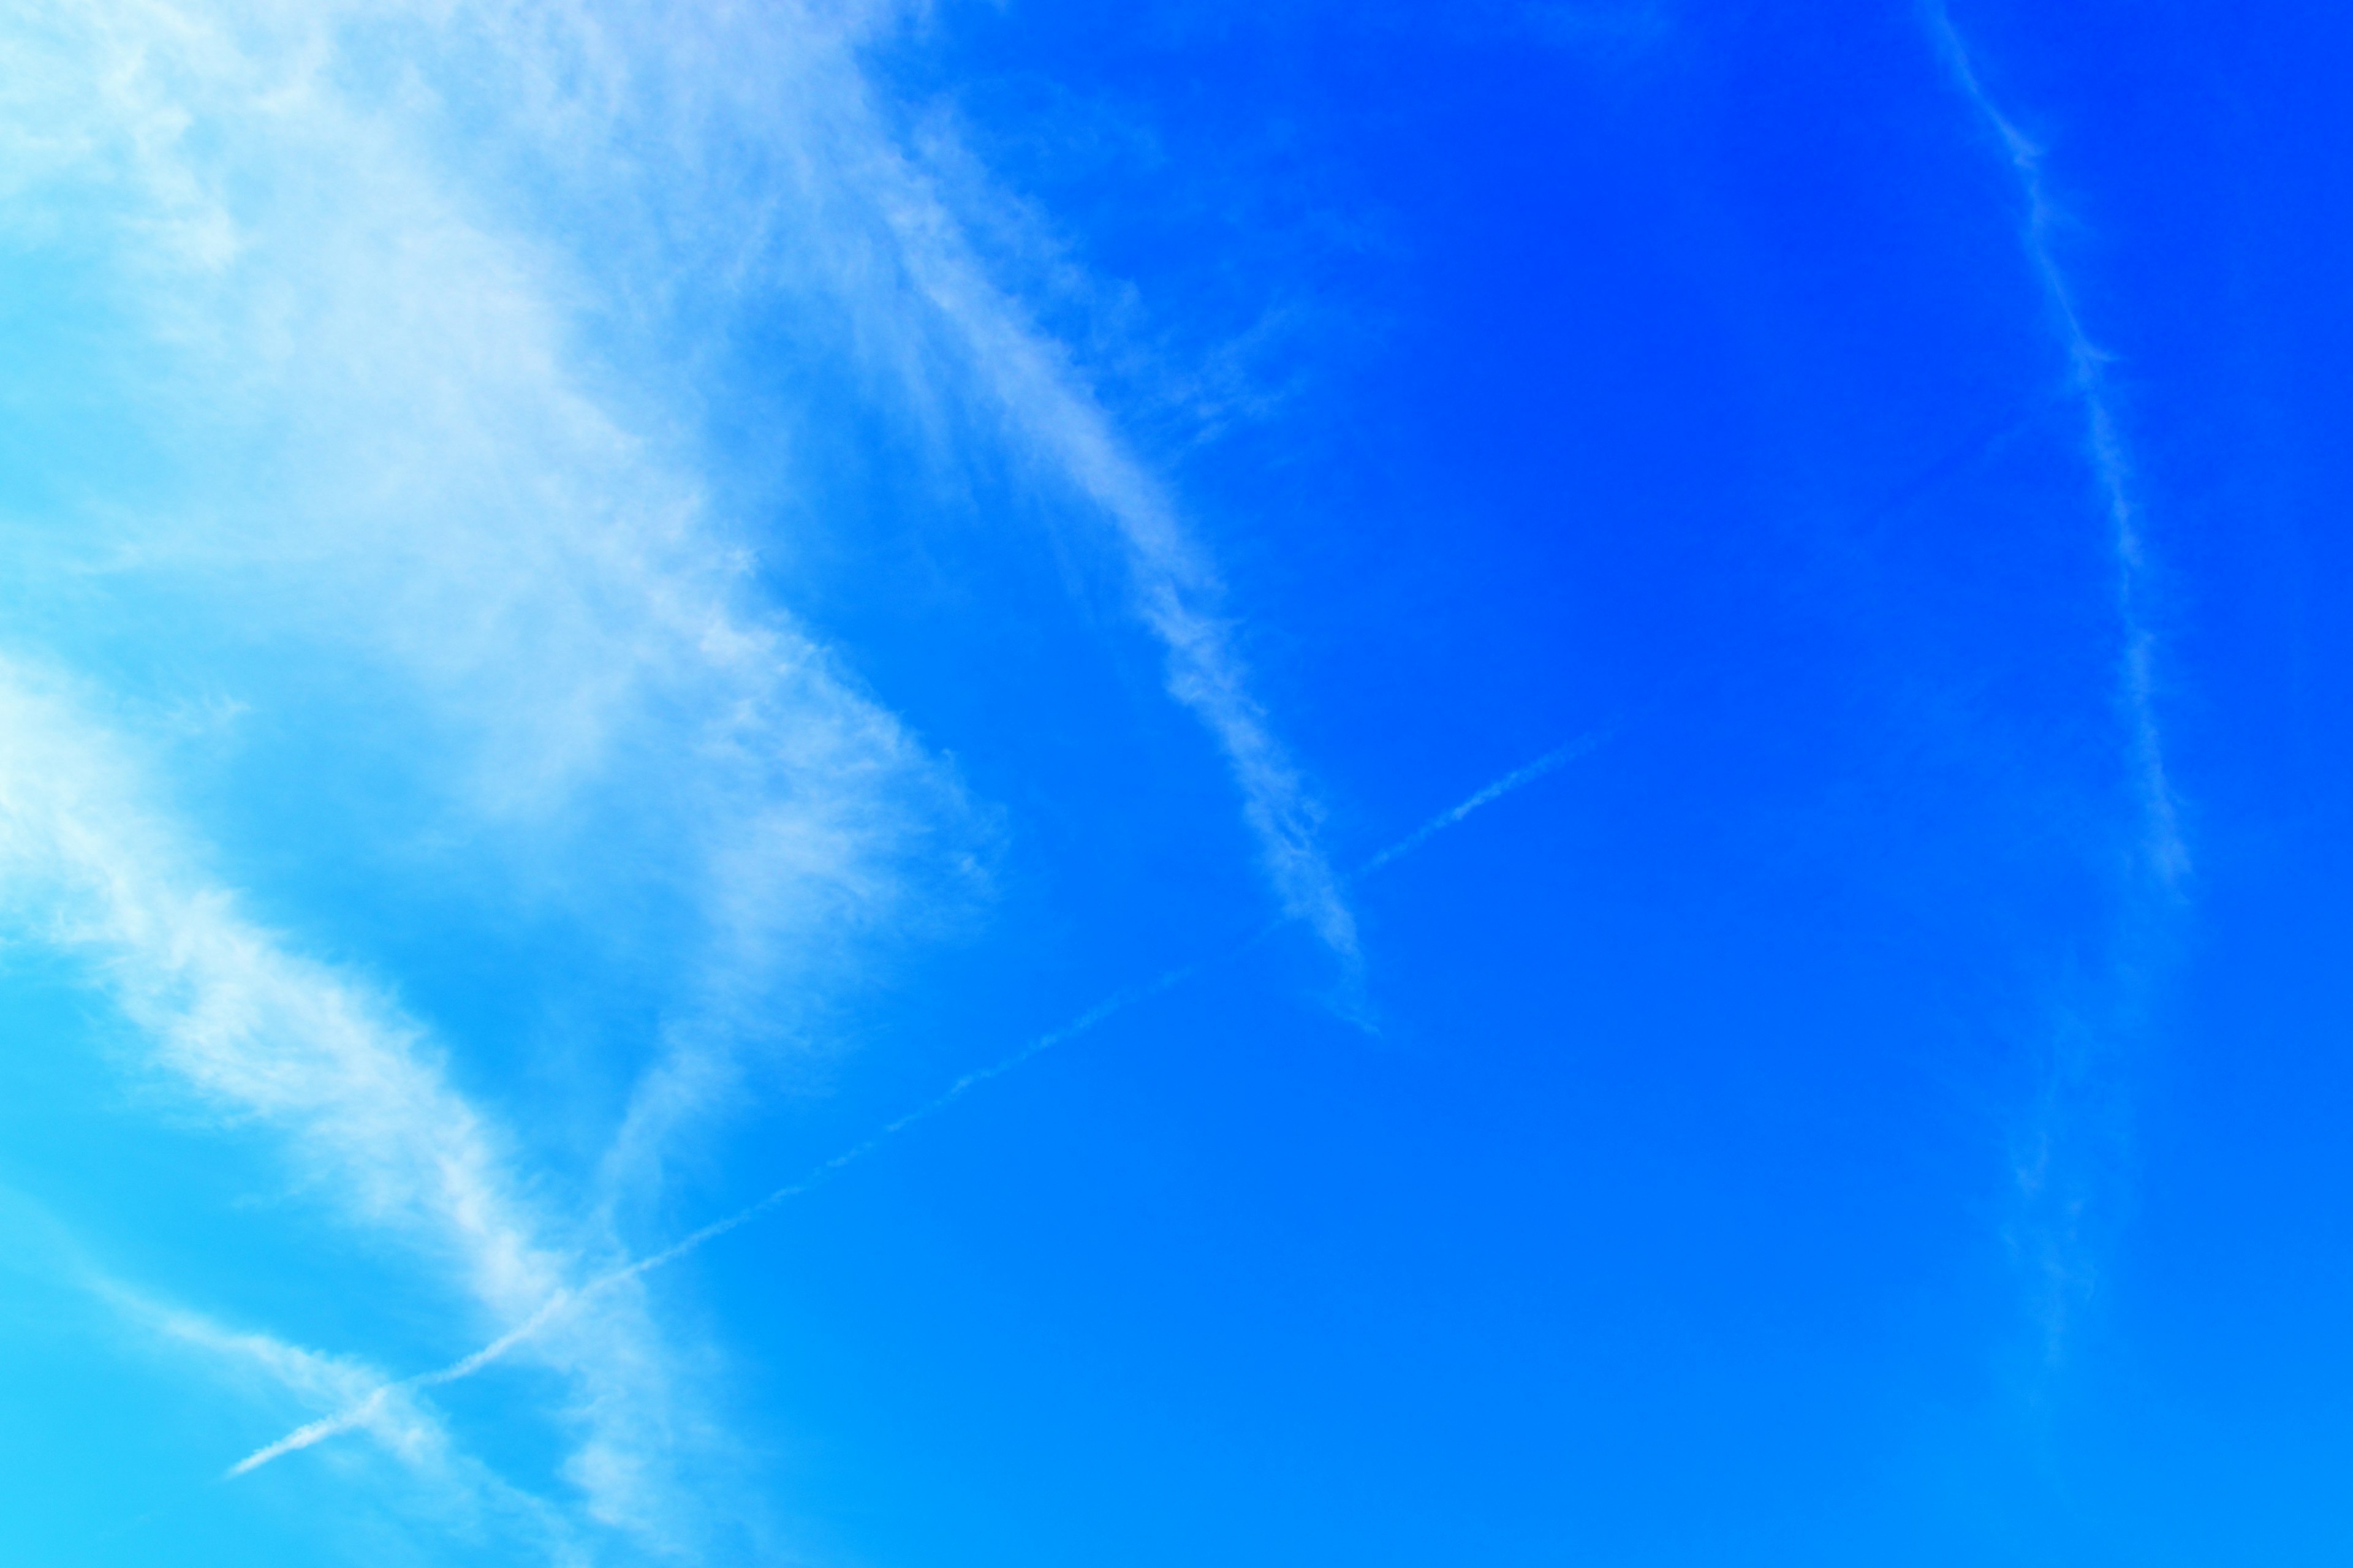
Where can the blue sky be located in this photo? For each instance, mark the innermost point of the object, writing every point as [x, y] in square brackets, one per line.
[941, 784]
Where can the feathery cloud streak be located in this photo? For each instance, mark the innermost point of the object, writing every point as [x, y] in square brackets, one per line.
[778, 121]
[265, 1036]
[400, 427]
[392, 443]
[1174, 585]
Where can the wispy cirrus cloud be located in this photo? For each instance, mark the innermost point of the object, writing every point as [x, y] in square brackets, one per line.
[397, 310]
[392, 450]
[1175, 588]
[447, 1483]
[829, 198]
[264, 1038]
[401, 263]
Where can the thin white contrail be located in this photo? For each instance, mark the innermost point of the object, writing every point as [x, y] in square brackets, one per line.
[1488, 796]
[362, 1412]
[2054, 1182]
[2166, 850]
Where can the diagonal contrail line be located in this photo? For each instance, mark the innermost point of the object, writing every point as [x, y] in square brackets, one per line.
[555, 1306]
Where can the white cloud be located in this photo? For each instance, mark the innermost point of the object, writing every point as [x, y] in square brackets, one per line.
[783, 172]
[345, 228]
[265, 1036]
[391, 294]
[395, 449]
[450, 1488]
[1176, 590]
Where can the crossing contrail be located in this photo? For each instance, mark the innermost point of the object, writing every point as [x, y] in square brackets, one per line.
[359, 1413]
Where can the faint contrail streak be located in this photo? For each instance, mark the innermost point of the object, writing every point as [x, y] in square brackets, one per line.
[2167, 854]
[1488, 796]
[2053, 1178]
[359, 1413]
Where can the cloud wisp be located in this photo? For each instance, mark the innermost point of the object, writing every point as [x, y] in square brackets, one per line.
[2070, 1125]
[442, 492]
[1175, 589]
[452, 1483]
[262, 1036]
[797, 180]
[361, 1411]
[396, 302]
[2163, 848]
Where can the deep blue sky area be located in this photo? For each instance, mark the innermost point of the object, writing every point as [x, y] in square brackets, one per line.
[1498, 783]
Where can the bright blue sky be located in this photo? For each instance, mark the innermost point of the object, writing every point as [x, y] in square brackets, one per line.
[606, 603]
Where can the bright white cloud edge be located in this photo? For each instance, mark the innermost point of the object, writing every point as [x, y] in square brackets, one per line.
[534, 574]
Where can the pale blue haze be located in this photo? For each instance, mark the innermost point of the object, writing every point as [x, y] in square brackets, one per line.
[922, 786]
